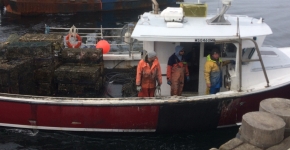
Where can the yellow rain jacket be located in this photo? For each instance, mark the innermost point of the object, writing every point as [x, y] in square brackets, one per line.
[213, 72]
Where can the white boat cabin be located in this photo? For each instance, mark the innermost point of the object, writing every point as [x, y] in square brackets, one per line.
[198, 35]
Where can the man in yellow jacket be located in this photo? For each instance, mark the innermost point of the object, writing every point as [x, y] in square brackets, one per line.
[213, 71]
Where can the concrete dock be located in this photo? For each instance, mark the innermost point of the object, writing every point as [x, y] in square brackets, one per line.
[266, 129]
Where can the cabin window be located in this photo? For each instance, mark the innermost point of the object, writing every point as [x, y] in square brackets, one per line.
[228, 50]
[248, 53]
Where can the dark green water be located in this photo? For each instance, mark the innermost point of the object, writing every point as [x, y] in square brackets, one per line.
[57, 140]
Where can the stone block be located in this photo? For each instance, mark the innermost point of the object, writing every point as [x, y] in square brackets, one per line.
[231, 144]
[287, 133]
[262, 129]
[247, 146]
[277, 106]
[284, 145]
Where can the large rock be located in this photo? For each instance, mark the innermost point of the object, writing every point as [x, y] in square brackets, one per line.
[285, 145]
[231, 144]
[247, 146]
[287, 133]
[262, 129]
[277, 106]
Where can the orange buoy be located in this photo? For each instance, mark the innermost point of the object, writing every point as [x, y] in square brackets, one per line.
[104, 45]
[69, 45]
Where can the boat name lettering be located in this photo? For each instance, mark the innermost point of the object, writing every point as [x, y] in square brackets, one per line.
[204, 40]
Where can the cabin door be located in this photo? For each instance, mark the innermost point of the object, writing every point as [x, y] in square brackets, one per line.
[192, 52]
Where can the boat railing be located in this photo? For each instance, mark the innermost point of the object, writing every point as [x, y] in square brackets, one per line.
[239, 41]
[119, 38]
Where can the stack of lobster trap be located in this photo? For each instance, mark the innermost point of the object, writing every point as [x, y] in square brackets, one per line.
[14, 74]
[82, 72]
[45, 60]
[35, 54]
[39, 64]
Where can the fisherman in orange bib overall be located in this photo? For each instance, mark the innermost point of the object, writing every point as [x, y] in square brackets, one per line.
[176, 71]
[148, 72]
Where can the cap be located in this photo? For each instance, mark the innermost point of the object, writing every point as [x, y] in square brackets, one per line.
[215, 51]
[151, 54]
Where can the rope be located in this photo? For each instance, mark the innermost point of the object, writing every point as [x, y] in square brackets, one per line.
[72, 31]
[157, 92]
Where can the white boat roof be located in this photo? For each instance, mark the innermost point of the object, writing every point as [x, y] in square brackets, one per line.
[155, 29]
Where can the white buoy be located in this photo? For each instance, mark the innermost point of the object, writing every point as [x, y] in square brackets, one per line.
[262, 129]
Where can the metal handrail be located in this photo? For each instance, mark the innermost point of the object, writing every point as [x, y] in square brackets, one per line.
[99, 34]
[110, 44]
[86, 28]
[234, 40]
[260, 59]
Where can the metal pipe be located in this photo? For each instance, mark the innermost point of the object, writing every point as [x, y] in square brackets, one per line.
[155, 7]
[110, 44]
[102, 32]
[78, 33]
[103, 36]
[91, 36]
[86, 28]
[261, 60]
[240, 64]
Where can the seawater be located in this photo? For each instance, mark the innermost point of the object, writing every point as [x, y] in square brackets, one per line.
[275, 13]
[22, 139]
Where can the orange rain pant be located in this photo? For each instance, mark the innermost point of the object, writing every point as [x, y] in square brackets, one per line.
[146, 92]
[177, 80]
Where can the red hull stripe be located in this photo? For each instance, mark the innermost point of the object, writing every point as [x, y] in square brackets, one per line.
[84, 117]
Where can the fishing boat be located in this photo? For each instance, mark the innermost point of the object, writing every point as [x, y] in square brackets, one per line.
[259, 72]
[35, 7]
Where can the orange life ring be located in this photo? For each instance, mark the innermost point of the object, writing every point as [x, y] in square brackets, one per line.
[73, 45]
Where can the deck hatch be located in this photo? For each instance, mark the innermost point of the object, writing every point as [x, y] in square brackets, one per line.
[273, 59]
[268, 53]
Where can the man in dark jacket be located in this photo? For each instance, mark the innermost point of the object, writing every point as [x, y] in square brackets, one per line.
[176, 70]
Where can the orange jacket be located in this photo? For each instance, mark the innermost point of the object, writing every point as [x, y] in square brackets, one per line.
[146, 76]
